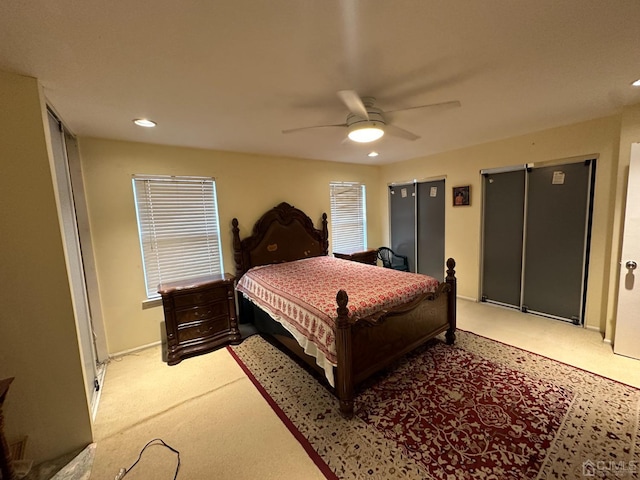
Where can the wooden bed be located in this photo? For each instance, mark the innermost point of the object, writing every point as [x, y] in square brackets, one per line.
[364, 346]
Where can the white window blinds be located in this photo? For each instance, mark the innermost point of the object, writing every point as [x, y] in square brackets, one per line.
[348, 217]
[178, 227]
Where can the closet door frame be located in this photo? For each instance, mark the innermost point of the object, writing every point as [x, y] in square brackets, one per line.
[68, 217]
[414, 182]
[592, 159]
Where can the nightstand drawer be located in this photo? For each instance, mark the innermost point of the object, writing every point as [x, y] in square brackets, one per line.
[203, 312]
[199, 330]
[204, 296]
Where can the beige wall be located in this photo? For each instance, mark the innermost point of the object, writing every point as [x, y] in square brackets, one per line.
[39, 348]
[462, 167]
[247, 185]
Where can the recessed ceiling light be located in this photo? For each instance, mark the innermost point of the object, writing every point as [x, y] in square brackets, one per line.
[636, 83]
[143, 122]
[372, 154]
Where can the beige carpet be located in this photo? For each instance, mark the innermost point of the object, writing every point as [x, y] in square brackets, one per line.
[234, 434]
[476, 410]
[206, 408]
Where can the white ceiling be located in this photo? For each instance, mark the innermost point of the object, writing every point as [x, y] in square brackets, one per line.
[232, 74]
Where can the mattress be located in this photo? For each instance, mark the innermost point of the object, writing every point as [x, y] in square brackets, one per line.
[301, 295]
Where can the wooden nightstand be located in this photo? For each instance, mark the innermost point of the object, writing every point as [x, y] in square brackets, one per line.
[199, 314]
[367, 256]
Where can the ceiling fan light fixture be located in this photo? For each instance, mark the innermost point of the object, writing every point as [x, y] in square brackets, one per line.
[365, 132]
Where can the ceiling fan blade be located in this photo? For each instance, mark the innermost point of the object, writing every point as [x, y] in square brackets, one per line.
[451, 104]
[400, 132]
[354, 103]
[292, 130]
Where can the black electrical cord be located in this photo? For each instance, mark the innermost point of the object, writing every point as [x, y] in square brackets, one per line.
[123, 473]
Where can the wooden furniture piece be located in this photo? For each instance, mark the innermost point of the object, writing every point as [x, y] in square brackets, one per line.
[6, 467]
[369, 257]
[366, 345]
[200, 315]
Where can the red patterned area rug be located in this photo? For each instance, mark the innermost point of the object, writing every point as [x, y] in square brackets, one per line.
[478, 410]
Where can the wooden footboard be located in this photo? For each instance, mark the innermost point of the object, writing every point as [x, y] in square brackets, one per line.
[367, 345]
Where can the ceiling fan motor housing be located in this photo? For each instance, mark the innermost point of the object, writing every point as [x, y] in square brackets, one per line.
[375, 118]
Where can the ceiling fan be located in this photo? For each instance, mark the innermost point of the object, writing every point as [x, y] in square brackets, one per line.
[367, 123]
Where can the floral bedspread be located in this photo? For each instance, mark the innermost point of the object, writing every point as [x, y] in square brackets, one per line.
[303, 293]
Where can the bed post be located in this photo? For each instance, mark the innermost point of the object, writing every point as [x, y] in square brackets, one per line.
[344, 380]
[451, 308]
[237, 249]
[325, 235]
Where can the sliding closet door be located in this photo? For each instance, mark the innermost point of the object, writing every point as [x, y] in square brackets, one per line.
[74, 258]
[555, 251]
[431, 228]
[503, 225]
[402, 210]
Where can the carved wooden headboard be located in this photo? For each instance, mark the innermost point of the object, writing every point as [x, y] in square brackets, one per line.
[282, 234]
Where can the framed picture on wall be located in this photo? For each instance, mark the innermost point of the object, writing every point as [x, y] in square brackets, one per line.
[461, 196]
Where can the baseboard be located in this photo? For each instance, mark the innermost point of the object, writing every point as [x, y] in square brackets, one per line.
[596, 329]
[589, 327]
[134, 350]
[471, 299]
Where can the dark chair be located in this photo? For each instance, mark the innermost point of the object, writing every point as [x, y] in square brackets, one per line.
[390, 259]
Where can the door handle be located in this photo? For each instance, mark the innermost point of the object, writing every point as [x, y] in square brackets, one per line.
[631, 265]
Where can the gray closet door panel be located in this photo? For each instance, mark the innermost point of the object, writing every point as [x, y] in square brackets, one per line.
[504, 195]
[554, 252]
[431, 209]
[403, 220]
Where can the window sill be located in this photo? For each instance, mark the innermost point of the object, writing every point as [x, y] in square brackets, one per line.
[151, 303]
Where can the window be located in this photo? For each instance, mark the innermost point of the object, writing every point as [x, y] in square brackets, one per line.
[348, 217]
[178, 228]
